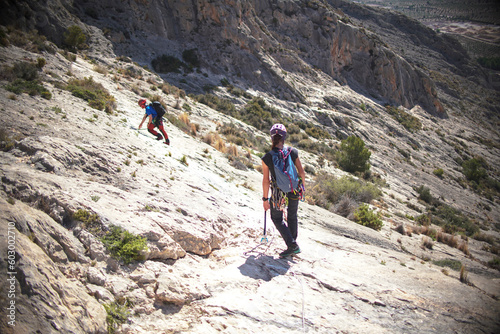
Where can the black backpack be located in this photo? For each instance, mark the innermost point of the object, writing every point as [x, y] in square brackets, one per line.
[160, 111]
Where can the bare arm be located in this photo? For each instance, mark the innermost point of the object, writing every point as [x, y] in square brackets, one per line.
[143, 119]
[300, 170]
[265, 185]
[150, 119]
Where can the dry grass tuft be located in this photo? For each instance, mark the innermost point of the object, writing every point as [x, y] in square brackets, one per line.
[194, 129]
[464, 248]
[427, 242]
[464, 275]
[233, 150]
[220, 145]
[346, 206]
[184, 118]
[400, 229]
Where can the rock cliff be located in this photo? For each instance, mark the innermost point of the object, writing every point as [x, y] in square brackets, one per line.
[261, 42]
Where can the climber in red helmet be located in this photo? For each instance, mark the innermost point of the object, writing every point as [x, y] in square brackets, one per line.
[154, 114]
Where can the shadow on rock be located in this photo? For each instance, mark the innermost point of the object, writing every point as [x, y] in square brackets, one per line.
[263, 267]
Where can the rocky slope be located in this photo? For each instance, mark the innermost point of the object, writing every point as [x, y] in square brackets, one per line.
[202, 216]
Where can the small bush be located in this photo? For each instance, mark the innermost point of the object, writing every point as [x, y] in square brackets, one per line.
[183, 160]
[117, 314]
[74, 38]
[425, 194]
[353, 156]
[40, 62]
[452, 220]
[191, 57]
[494, 263]
[411, 123]
[328, 190]
[450, 263]
[427, 242]
[30, 87]
[24, 78]
[91, 221]
[94, 93]
[346, 206]
[438, 172]
[124, 245]
[464, 275]
[474, 170]
[167, 64]
[367, 217]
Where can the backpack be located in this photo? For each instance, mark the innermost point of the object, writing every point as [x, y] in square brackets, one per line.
[160, 111]
[287, 178]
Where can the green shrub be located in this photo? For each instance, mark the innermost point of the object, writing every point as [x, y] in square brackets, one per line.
[411, 123]
[117, 314]
[124, 245]
[25, 70]
[317, 133]
[452, 220]
[32, 88]
[191, 57]
[40, 62]
[490, 62]
[438, 172]
[7, 142]
[353, 156]
[74, 38]
[450, 263]
[167, 64]
[94, 93]
[494, 263]
[473, 169]
[328, 190]
[223, 105]
[367, 217]
[25, 79]
[425, 194]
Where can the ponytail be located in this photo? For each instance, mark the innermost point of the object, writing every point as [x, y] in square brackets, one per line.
[276, 140]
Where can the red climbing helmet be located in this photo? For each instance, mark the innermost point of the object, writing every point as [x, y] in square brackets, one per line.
[278, 129]
[142, 103]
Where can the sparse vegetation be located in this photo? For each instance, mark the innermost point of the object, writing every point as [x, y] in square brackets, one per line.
[353, 156]
[91, 221]
[6, 142]
[75, 38]
[93, 92]
[183, 160]
[411, 123]
[124, 245]
[368, 217]
[117, 314]
[167, 64]
[24, 78]
[328, 190]
[450, 263]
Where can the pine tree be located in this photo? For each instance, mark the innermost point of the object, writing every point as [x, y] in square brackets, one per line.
[353, 155]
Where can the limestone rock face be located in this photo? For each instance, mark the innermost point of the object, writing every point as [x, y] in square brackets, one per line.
[48, 301]
[258, 41]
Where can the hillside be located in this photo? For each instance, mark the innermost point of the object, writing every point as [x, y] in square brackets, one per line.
[74, 166]
[474, 23]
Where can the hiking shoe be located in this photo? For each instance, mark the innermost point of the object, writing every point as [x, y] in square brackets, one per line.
[159, 137]
[167, 141]
[290, 251]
